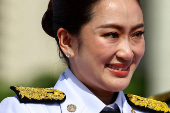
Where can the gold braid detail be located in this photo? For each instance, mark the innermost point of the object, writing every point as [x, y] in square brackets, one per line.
[40, 93]
[149, 103]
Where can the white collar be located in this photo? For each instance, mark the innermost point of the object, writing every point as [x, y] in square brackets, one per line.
[84, 98]
[77, 93]
[119, 102]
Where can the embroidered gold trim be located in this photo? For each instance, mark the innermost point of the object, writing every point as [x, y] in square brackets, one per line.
[40, 93]
[149, 103]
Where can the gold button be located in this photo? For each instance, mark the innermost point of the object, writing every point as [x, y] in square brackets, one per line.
[71, 108]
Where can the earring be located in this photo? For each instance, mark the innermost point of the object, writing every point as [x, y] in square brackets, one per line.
[68, 54]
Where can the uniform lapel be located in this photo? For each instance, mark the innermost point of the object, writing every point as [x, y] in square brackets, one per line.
[77, 94]
[126, 107]
[36, 108]
[71, 96]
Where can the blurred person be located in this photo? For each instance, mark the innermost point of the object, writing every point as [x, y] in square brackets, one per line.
[102, 43]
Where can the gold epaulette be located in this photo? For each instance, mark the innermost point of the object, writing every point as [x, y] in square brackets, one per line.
[38, 95]
[161, 97]
[149, 103]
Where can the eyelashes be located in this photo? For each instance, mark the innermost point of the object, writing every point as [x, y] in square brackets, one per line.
[138, 34]
[111, 34]
[116, 35]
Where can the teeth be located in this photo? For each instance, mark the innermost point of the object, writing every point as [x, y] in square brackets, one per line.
[122, 69]
[117, 68]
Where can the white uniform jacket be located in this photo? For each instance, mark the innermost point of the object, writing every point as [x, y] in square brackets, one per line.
[76, 93]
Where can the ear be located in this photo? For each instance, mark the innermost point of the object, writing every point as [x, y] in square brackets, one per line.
[65, 41]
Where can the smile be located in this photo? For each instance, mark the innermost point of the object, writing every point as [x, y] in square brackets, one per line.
[116, 68]
[120, 70]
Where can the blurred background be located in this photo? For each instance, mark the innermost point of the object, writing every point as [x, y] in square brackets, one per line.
[29, 57]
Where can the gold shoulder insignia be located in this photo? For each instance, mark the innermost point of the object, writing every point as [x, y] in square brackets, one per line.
[148, 104]
[38, 95]
[164, 97]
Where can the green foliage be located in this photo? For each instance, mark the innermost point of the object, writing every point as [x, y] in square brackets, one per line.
[44, 81]
[4, 91]
[137, 84]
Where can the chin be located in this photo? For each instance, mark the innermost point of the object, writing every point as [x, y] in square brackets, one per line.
[118, 85]
[120, 88]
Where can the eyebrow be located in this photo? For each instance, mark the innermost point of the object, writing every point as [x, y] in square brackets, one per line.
[121, 27]
[137, 26]
[111, 26]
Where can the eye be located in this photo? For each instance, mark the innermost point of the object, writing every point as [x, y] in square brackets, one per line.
[111, 35]
[138, 34]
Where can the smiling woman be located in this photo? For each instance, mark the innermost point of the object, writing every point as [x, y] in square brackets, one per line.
[102, 42]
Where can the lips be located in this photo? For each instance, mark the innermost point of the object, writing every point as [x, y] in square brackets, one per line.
[119, 69]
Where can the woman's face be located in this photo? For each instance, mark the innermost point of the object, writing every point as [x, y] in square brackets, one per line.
[112, 45]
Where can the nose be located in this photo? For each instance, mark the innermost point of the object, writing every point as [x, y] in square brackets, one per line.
[125, 51]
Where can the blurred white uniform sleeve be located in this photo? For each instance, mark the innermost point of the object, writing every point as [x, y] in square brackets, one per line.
[12, 105]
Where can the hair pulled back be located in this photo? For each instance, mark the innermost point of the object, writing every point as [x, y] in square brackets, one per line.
[68, 14]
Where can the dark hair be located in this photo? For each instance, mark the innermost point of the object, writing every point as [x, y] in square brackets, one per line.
[68, 14]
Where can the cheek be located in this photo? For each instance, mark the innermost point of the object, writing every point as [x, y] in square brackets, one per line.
[103, 51]
[139, 50]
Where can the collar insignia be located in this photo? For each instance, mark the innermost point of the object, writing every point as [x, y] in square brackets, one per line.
[38, 95]
[150, 104]
[71, 108]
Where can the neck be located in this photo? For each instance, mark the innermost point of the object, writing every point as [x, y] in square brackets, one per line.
[105, 96]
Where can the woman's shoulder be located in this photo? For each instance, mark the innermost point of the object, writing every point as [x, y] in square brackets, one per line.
[147, 104]
[36, 100]
[10, 100]
[12, 105]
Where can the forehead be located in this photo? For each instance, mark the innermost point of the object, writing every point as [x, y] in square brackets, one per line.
[121, 12]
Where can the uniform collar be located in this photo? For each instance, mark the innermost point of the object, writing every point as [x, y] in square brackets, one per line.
[78, 94]
[118, 102]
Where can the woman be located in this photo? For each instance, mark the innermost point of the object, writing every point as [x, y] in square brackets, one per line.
[102, 42]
